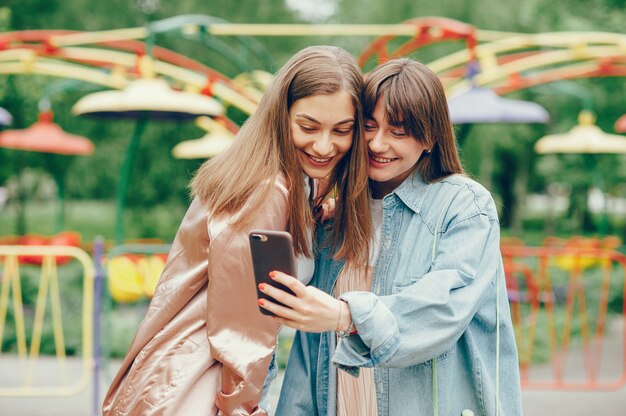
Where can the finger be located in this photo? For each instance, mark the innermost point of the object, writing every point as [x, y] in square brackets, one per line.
[328, 209]
[279, 295]
[278, 310]
[324, 212]
[291, 282]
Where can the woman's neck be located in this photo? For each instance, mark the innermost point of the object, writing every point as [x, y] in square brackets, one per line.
[382, 189]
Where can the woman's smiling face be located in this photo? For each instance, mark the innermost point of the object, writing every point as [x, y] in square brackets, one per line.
[392, 151]
[322, 128]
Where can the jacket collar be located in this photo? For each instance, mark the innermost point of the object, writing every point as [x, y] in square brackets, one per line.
[412, 191]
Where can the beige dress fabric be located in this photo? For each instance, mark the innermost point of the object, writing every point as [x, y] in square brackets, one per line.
[203, 347]
[357, 395]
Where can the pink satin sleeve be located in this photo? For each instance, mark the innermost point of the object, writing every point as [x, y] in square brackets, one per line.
[240, 337]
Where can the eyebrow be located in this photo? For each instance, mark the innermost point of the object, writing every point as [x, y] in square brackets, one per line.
[308, 117]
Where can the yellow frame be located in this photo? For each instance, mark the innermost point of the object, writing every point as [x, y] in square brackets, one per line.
[48, 281]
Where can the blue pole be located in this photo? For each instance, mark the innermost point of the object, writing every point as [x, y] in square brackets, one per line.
[98, 253]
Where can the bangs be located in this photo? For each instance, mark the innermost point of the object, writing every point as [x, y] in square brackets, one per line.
[402, 109]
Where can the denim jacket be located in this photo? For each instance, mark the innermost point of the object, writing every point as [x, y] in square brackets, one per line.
[438, 278]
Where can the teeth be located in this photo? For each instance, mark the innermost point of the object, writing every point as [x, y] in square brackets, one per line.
[381, 159]
[319, 159]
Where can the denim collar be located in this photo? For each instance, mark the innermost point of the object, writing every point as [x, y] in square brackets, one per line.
[412, 191]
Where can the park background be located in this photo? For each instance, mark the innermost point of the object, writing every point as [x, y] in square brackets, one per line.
[538, 196]
[501, 157]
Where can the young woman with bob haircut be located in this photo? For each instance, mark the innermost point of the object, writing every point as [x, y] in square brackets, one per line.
[426, 330]
[204, 348]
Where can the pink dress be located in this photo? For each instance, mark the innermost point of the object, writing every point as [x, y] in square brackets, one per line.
[355, 395]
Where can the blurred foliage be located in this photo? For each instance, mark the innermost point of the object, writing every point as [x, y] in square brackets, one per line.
[499, 156]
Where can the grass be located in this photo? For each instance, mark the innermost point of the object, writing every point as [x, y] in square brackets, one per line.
[96, 218]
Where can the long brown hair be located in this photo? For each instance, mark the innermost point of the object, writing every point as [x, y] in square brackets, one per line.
[414, 98]
[264, 149]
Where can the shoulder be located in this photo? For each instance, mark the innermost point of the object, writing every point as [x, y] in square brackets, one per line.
[271, 198]
[280, 185]
[268, 194]
[266, 208]
[461, 198]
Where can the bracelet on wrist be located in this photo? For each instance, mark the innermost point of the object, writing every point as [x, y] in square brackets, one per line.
[351, 330]
[339, 316]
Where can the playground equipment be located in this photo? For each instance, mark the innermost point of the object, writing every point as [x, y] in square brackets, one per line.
[620, 124]
[502, 63]
[493, 108]
[132, 277]
[45, 136]
[64, 238]
[217, 139]
[48, 283]
[5, 117]
[508, 61]
[586, 137]
[561, 291]
[143, 99]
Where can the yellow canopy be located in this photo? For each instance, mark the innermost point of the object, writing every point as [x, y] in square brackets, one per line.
[148, 95]
[586, 137]
[212, 144]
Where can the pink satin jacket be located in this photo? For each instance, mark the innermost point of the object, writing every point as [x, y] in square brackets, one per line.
[203, 347]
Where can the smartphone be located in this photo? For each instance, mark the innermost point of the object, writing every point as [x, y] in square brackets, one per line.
[271, 250]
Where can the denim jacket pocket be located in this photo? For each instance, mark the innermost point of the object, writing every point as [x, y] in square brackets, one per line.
[441, 357]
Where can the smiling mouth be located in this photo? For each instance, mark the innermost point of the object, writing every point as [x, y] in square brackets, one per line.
[320, 160]
[379, 159]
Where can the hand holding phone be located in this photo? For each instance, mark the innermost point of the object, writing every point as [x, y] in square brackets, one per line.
[271, 250]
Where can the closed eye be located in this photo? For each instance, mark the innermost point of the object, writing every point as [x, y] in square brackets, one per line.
[369, 127]
[307, 129]
[343, 132]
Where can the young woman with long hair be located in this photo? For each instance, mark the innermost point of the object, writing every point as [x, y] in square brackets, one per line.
[427, 330]
[204, 348]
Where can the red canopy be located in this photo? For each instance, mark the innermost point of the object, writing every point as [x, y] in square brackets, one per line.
[47, 137]
[620, 124]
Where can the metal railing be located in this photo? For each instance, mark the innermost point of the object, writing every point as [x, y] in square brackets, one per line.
[559, 298]
[48, 286]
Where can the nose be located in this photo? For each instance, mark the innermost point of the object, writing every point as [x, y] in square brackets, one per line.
[378, 144]
[323, 146]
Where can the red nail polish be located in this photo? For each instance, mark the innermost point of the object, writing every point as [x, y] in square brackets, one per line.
[262, 286]
[261, 302]
[272, 275]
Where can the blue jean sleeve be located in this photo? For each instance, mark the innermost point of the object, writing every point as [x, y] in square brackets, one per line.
[378, 335]
[426, 318]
